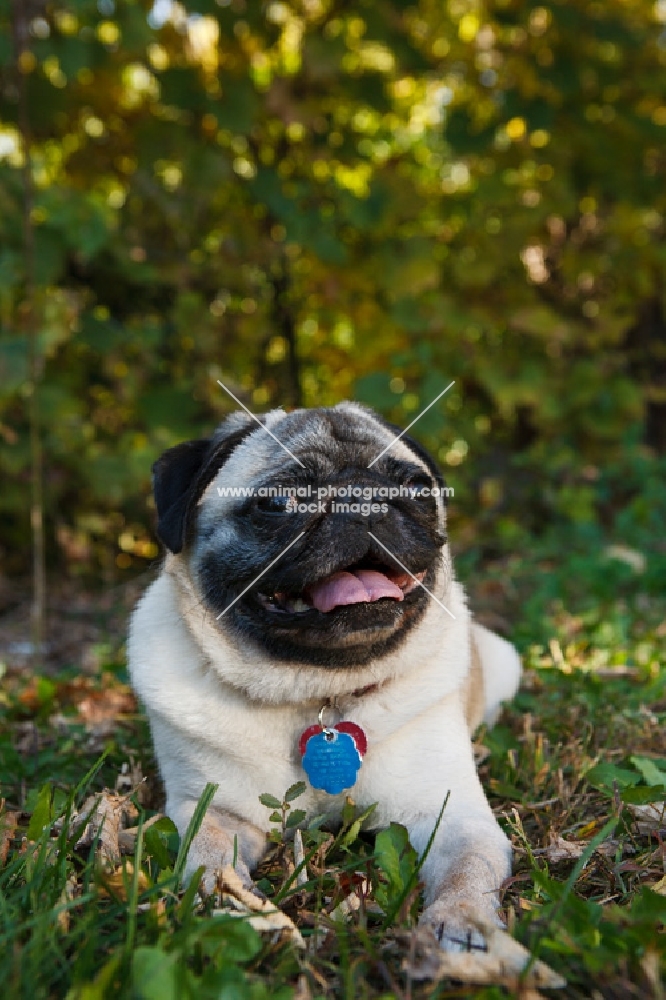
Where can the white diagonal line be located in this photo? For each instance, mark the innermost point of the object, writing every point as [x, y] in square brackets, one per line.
[259, 576]
[398, 436]
[428, 592]
[263, 426]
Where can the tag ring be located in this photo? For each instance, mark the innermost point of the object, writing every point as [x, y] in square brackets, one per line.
[327, 731]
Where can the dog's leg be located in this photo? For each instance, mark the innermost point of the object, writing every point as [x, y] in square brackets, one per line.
[221, 839]
[468, 860]
[471, 857]
[463, 876]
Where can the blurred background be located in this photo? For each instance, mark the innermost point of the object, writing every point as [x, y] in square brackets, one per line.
[317, 200]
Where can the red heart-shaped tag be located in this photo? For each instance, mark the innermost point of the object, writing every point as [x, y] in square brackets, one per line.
[356, 733]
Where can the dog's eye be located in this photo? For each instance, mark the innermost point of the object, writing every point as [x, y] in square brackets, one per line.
[419, 486]
[275, 505]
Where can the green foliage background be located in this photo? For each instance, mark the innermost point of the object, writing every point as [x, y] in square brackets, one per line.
[315, 200]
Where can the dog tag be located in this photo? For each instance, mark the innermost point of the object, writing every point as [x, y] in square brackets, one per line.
[332, 757]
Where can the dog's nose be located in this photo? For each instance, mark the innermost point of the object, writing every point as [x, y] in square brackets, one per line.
[368, 517]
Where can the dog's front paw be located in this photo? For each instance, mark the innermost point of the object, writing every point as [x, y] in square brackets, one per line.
[461, 926]
[222, 841]
[211, 878]
[213, 849]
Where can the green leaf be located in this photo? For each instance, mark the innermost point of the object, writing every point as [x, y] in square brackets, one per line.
[295, 818]
[652, 774]
[230, 939]
[154, 974]
[154, 839]
[295, 791]
[390, 846]
[42, 815]
[642, 796]
[605, 775]
[270, 801]
[348, 812]
[317, 821]
[650, 906]
[351, 835]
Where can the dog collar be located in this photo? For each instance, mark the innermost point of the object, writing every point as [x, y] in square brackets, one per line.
[332, 755]
[359, 692]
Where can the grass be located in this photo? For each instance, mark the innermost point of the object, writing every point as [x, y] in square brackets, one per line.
[568, 769]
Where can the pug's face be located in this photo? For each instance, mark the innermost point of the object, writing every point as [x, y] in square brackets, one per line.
[279, 551]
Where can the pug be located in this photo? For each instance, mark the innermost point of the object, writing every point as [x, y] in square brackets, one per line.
[307, 625]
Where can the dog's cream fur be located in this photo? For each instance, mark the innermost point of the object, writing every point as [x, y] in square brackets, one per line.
[219, 713]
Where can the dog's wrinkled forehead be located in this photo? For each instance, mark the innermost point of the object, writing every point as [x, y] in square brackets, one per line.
[325, 440]
[214, 476]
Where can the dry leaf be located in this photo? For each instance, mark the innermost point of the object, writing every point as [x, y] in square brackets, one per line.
[63, 918]
[69, 893]
[101, 709]
[8, 824]
[352, 901]
[610, 847]
[660, 886]
[107, 814]
[649, 817]
[118, 882]
[503, 963]
[560, 849]
[260, 913]
[651, 965]
[350, 904]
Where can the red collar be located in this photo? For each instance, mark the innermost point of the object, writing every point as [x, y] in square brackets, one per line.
[366, 690]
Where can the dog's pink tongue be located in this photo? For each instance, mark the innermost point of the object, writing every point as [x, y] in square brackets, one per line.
[352, 588]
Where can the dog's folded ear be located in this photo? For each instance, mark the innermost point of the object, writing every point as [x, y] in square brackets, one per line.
[181, 475]
[175, 475]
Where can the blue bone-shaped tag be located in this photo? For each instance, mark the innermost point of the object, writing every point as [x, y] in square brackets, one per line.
[331, 761]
